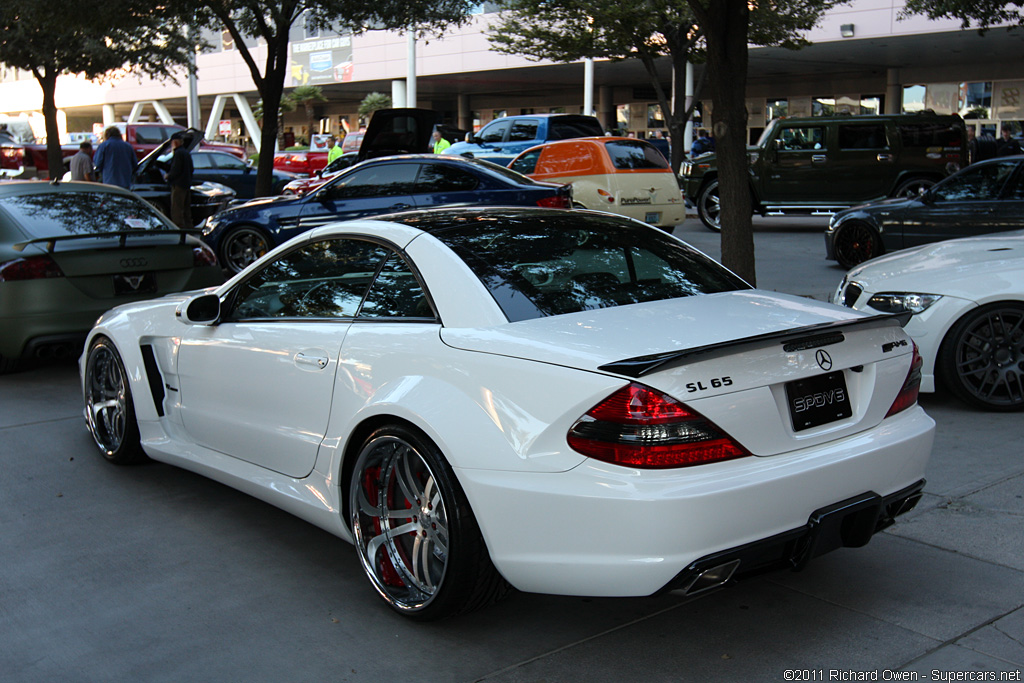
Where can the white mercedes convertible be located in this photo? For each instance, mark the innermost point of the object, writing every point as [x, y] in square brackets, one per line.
[561, 402]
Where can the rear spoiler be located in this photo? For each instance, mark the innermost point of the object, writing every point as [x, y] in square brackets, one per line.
[797, 339]
[51, 242]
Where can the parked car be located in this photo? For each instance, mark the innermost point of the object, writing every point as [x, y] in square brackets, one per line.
[501, 140]
[301, 186]
[619, 175]
[967, 297]
[70, 251]
[823, 164]
[208, 198]
[460, 393]
[242, 234]
[240, 176]
[985, 197]
[145, 137]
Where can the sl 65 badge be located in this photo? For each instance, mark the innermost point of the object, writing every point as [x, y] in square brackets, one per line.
[716, 383]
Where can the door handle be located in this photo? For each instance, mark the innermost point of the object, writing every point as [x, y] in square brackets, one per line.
[818, 159]
[887, 158]
[313, 361]
[399, 207]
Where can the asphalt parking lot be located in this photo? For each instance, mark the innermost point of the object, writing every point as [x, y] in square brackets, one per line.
[152, 573]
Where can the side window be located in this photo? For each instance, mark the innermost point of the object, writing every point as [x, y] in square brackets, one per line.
[444, 178]
[1016, 190]
[202, 161]
[382, 180]
[802, 139]
[979, 183]
[228, 162]
[494, 132]
[396, 293]
[325, 279]
[930, 135]
[569, 157]
[526, 163]
[148, 135]
[523, 130]
[862, 136]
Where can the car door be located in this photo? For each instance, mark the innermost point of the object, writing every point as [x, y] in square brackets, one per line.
[370, 189]
[236, 174]
[798, 166]
[867, 159]
[963, 205]
[258, 385]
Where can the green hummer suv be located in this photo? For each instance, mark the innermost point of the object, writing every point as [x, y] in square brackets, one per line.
[822, 164]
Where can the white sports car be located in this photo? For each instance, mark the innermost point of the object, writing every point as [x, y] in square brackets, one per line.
[559, 401]
[967, 300]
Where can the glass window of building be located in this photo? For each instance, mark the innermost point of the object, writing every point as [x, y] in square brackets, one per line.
[976, 100]
[913, 98]
[776, 107]
[823, 106]
[655, 117]
[871, 104]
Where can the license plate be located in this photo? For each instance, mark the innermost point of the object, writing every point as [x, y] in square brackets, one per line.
[140, 283]
[818, 400]
[652, 217]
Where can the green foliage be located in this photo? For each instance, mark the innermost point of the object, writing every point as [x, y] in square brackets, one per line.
[373, 102]
[982, 14]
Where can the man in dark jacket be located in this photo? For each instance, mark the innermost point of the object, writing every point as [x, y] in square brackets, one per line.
[179, 177]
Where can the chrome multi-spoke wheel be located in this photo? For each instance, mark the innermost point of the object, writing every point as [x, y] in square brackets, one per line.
[417, 540]
[913, 187]
[241, 247]
[709, 206]
[109, 410]
[855, 243]
[982, 357]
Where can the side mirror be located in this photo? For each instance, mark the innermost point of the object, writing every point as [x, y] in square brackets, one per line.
[475, 139]
[203, 309]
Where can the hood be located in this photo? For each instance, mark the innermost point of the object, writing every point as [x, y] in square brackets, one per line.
[192, 139]
[590, 339]
[398, 131]
[955, 267]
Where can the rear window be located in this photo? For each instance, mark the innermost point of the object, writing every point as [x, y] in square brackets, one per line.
[537, 265]
[930, 135]
[566, 127]
[628, 155]
[56, 214]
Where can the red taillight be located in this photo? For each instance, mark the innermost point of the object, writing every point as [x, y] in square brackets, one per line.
[607, 195]
[556, 202]
[30, 268]
[640, 427]
[203, 256]
[911, 386]
[12, 157]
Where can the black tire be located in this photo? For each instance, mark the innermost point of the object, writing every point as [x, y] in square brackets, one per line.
[433, 563]
[110, 410]
[709, 207]
[981, 360]
[913, 187]
[855, 243]
[241, 246]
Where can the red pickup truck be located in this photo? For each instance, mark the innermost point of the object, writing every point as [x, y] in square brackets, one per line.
[22, 157]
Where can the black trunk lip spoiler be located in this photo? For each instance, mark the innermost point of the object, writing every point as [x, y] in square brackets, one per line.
[643, 365]
[51, 242]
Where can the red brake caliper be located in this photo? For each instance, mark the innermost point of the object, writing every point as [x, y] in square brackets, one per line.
[387, 570]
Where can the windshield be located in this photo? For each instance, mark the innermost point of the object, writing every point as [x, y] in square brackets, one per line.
[56, 214]
[543, 264]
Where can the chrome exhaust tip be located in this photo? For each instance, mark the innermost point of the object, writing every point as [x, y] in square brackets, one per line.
[710, 578]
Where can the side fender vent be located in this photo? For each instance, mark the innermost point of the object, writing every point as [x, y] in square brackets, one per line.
[156, 384]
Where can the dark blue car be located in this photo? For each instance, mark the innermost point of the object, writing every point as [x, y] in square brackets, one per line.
[377, 186]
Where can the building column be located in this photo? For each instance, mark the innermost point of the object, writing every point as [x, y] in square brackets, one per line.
[588, 86]
[398, 93]
[893, 92]
[109, 117]
[605, 107]
[465, 120]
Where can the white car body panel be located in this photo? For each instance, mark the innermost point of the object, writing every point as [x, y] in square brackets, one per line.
[968, 273]
[498, 399]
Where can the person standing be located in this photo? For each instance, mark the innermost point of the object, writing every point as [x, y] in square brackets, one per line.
[81, 163]
[335, 149]
[115, 160]
[440, 144]
[179, 177]
[1007, 145]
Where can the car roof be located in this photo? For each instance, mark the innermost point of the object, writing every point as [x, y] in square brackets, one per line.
[433, 220]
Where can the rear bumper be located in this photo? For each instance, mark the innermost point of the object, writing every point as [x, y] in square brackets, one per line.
[602, 530]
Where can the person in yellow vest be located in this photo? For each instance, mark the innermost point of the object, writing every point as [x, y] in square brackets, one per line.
[335, 149]
[440, 144]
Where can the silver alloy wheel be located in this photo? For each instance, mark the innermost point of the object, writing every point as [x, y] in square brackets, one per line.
[988, 357]
[243, 246]
[913, 188]
[709, 207]
[106, 398]
[400, 523]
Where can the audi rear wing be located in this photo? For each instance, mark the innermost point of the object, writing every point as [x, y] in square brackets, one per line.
[123, 236]
[797, 339]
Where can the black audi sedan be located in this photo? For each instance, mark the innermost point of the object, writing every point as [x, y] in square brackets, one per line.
[983, 198]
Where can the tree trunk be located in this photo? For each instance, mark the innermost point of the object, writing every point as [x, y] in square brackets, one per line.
[271, 92]
[725, 24]
[54, 156]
